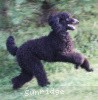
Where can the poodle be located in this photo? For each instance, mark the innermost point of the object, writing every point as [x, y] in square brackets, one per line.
[55, 47]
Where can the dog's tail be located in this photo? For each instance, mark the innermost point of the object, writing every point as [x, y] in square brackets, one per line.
[11, 47]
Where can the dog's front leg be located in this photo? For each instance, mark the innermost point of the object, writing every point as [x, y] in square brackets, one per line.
[75, 58]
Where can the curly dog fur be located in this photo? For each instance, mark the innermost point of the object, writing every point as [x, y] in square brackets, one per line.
[56, 47]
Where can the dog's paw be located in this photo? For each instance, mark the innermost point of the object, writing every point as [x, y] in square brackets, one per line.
[16, 83]
[44, 84]
[90, 70]
[76, 67]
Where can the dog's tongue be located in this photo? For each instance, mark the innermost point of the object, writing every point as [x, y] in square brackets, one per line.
[71, 27]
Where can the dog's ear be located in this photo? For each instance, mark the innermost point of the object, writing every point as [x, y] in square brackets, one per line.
[53, 19]
[57, 18]
[55, 23]
[63, 15]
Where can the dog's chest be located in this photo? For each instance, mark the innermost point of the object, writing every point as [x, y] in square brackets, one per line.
[67, 46]
[64, 44]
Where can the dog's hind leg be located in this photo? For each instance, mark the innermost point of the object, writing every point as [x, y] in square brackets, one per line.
[40, 74]
[75, 58]
[37, 69]
[20, 80]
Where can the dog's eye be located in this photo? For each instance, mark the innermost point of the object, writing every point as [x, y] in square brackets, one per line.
[67, 19]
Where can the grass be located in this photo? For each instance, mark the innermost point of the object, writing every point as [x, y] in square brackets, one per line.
[66, 82]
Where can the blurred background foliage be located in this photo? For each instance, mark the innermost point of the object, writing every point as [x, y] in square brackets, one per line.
[25, 15]
[27, 19]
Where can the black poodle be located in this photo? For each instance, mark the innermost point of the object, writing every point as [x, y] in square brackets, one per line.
[56, 47]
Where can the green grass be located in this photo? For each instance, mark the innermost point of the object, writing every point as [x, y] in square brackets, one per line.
[71, 83]
[75, 84]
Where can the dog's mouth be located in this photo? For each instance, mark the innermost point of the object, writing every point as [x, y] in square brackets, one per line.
[72, 23]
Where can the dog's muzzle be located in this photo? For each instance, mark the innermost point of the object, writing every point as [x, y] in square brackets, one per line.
[75, 21]
[72, 23]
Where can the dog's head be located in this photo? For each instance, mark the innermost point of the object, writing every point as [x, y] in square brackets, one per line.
[67, 21]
